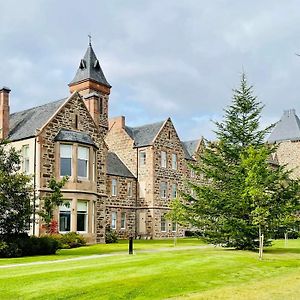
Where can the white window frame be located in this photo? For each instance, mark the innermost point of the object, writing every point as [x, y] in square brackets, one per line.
[129, 188]
[86, 159]
[142, 157]
[70, 146]
[174, 229]
[163, 159]
[174, 190]
[86, 214]
[64, 208]
[114, 187]
[25, 159]
[193, 174]
[174, 161]
[114, 220]
[123, 220]
[163, 189]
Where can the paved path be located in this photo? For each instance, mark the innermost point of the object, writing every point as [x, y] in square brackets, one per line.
[88, 257]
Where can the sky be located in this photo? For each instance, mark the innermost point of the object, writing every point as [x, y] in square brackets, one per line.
[163, 58]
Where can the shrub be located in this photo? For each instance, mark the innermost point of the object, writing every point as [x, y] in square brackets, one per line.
[110, 236]
[23, 245]
[69, 240]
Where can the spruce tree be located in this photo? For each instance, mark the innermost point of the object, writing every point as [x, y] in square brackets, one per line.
[219, 208]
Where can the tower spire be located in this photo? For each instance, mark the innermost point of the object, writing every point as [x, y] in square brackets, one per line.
[90, 39]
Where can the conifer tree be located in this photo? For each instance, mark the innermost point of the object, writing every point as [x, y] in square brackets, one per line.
[219, 209]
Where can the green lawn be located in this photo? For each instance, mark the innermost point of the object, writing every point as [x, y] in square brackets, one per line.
[200, 273]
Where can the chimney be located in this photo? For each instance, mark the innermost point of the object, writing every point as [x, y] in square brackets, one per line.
[117, 122]
[4, 112]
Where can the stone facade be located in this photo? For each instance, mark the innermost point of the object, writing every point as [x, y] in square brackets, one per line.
[153, 172]
[91, 190]
[123, 203]
[131, 174]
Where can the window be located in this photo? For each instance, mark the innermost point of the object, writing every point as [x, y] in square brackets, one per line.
[169, 135]
[174, 190]
[113, 220]
[163, 224]
[163, 159]
[129, 189]
[65, 160]
[82, 216]
[163, 189]
[123, 220]
[174, 161]
[65, 217]
[25, 156]
[174, 226]
[82, 162]
[114, 190]
[94, 166]
[142, 158]
[193, 173]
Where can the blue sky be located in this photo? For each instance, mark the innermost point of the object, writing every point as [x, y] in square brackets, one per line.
[163, 58]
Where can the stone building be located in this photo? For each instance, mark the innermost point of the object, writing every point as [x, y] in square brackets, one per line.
[286, 134]
[119, 176]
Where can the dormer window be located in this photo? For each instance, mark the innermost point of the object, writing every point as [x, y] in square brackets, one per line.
[96, 64]
[82, 64]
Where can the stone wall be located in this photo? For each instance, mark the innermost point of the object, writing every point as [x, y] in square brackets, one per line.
[123, 202]
[49, 155]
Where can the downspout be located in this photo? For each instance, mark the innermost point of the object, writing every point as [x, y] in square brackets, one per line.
[136, 191]
[34, 187]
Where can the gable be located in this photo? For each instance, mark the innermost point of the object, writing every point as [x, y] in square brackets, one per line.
[144, 135]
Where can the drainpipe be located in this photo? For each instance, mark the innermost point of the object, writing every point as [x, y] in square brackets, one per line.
[136, 191]
[34, 187]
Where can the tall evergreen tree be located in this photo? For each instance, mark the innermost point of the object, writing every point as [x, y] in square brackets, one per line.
[219, 209]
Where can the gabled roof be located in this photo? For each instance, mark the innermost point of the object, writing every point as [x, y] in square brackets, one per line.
[190, 148]
[89, 68]
[23, 124]
[116, 167]
[287, 128]
[67, 135]
[144, 135]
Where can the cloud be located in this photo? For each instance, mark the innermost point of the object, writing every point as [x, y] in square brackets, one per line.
[169, 58]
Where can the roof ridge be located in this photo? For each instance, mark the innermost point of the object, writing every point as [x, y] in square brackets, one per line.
[148, 124]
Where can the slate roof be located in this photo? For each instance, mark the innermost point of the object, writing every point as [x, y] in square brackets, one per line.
[287, 128]
[67, 135]
[189, 148]
[23, 124]
[144, 135]
[89, 68]
[116, 167]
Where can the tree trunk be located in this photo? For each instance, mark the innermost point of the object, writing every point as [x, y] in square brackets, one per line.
[175, 236]
[285, 239]
[261, 243]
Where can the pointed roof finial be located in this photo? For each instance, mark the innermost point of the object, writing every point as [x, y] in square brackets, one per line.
[90, 39]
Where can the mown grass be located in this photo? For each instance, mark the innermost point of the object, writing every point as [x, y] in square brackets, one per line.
[200, 273]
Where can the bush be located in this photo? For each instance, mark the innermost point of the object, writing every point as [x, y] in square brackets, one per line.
[110, 236]
[23, 245]
[69, 240]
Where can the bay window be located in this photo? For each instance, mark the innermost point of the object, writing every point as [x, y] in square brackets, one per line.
[65, 217]
[65, 160]
[82, 215]
[83, 161]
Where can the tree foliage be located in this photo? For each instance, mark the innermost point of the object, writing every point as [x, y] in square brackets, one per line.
[15, 193]
[51, 201]
[221, 208]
